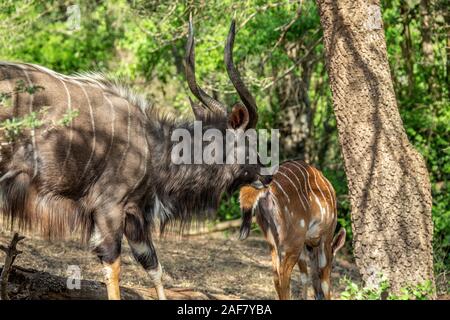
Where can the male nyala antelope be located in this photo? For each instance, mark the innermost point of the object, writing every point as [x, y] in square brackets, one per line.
[108, 173]
[297, 214]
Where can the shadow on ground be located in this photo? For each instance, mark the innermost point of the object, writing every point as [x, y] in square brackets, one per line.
[215, 266]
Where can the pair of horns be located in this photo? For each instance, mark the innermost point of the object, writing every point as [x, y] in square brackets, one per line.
[209, 102]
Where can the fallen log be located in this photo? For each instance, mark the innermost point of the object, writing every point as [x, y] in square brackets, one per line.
[30, 284]
[221, 226]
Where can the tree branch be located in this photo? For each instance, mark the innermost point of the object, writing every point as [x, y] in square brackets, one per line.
[284, 30]
[291, 68]
[11, 254]
[222, 226]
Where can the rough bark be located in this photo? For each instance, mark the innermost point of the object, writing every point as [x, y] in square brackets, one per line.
[389, 185]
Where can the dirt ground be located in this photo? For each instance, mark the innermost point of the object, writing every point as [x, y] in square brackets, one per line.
[216, 266]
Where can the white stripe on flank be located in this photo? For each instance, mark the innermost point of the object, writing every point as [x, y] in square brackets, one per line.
[322, 209]
[128, 137]
[326, 183]
[282, 190]
[145, 162]
[61, 78]
[33, 130]
[98, 79]
[301, 168]
[300, 184]
[69, 108]
[113, 112]
[296, 189]
[304, 179]
[320, 190]
[94, 140]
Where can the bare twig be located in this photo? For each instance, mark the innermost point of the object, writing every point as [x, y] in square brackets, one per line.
[222, 226]
[11, 254]
[284, 29]
[291, 68]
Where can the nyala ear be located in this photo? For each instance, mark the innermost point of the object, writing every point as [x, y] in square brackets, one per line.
[239, 117]
[338, 241]
[199, 111]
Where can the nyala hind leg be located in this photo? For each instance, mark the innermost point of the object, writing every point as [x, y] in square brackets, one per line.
[107, 240]
[304, 277]
[109, 253]
[141, 244]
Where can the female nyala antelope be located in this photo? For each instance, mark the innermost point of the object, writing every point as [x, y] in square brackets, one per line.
[297, 214]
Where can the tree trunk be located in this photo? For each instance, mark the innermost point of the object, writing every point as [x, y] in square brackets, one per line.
[389, 186]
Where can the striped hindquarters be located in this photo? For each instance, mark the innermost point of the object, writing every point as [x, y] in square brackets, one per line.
[299, 186]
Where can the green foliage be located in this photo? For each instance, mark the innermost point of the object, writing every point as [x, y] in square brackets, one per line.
[422, 291]
[68, 117]
[5, 99]
[354, 292]
[14, 127]
[229, 209]
[41, 34]
[31, 89]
